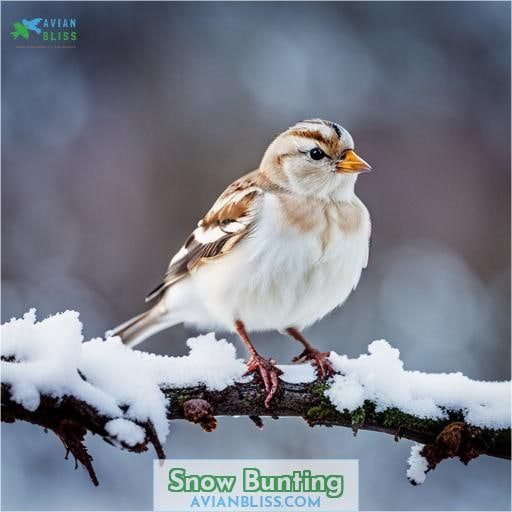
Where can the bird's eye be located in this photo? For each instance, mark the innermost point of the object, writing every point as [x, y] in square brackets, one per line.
[316, 154]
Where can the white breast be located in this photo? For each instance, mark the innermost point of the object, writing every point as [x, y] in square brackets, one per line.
[280, 276]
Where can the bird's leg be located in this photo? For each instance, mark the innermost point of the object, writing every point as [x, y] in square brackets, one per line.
[266, 368]
[320, 359]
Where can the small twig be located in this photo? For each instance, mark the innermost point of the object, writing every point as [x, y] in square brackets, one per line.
[257, 421]
[153, 439]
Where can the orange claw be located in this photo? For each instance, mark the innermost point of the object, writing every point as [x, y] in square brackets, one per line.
[320, 361]
[268, 372]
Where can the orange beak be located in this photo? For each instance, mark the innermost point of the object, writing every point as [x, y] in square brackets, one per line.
[350, 163]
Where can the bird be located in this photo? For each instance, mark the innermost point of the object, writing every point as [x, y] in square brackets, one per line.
[280, 248]
[32, 24]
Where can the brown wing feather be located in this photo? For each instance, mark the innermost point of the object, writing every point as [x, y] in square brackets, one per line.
[228, 221]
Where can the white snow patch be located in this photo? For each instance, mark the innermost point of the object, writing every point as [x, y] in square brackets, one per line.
[49, 352]
[125, 431]
[121, 383]
[380, 377]
[297, 373]
[418, 465]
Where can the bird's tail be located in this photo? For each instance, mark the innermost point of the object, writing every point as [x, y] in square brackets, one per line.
[140, 327]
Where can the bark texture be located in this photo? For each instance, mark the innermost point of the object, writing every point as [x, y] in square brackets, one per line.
[70, 419]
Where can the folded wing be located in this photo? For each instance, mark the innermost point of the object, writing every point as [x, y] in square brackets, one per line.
[229, 220]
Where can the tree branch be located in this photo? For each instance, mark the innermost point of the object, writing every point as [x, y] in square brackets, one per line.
[71, 418]
[307, 401]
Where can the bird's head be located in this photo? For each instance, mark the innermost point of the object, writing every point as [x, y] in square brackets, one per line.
[314, 158]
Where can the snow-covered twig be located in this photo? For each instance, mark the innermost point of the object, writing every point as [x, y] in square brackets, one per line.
[52, 379]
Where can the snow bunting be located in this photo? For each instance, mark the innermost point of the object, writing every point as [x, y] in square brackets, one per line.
[279, 249]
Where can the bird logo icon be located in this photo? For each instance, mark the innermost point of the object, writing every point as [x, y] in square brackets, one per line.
[19, 30]
[32, 24]
[24, 28]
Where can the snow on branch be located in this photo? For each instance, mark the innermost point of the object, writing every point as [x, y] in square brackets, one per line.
[51, 378]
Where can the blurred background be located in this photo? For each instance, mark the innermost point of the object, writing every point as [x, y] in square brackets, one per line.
[112, 151]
